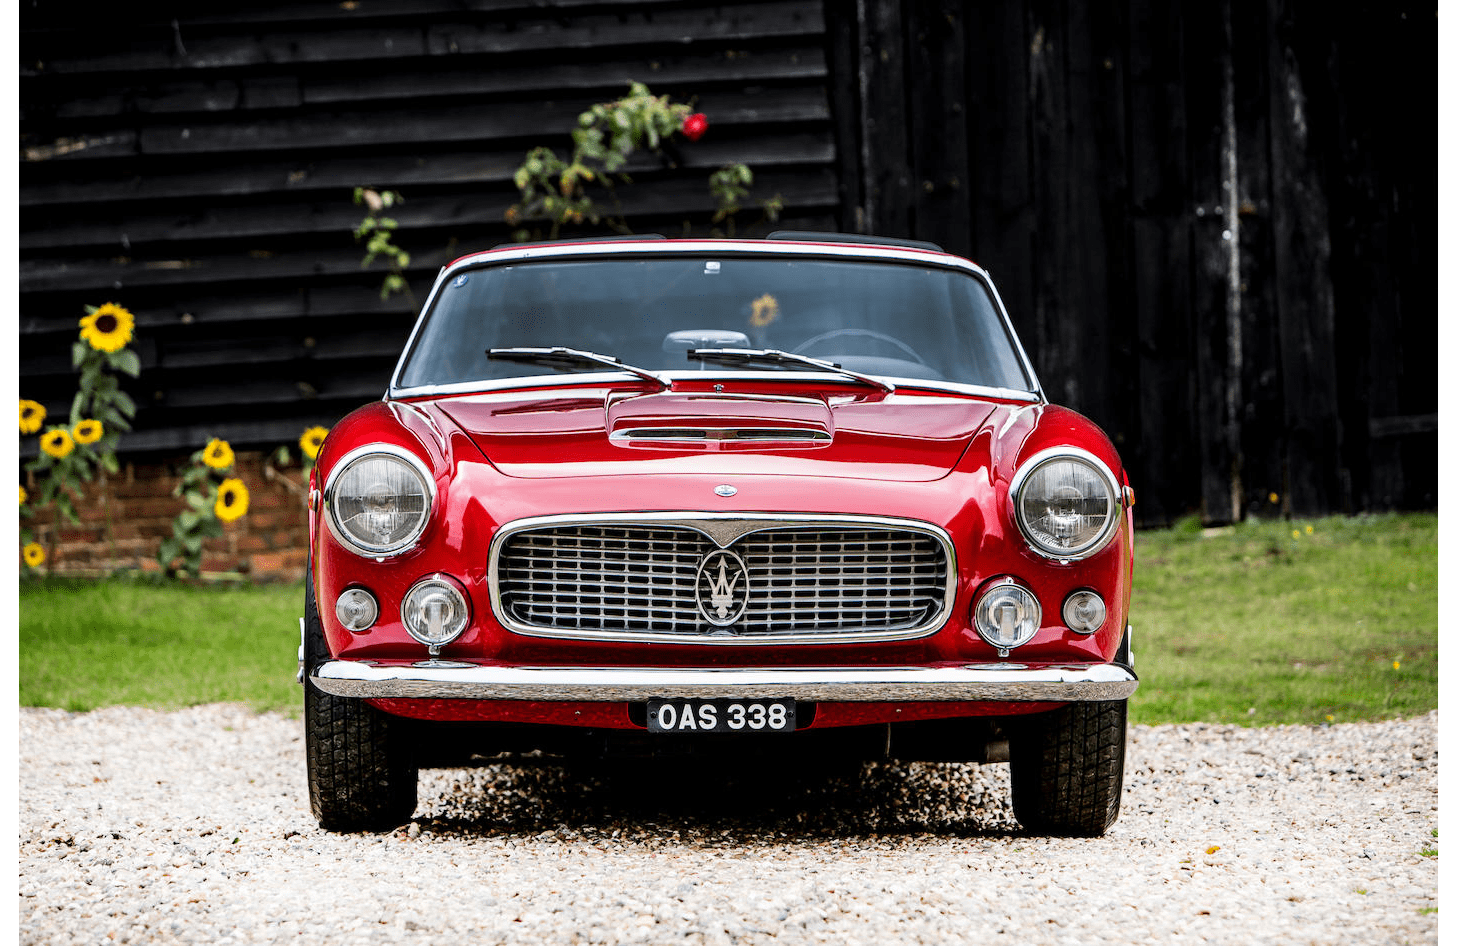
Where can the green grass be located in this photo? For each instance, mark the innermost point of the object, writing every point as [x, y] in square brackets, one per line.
[85, 644]
[1248, 624]
[1287, 622]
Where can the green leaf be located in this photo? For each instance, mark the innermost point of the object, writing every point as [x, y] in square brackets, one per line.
[77, 403]
[196, 501]
[126, 361]
[192, 543]
[108, 461]
[123, 402]
[187, 519]
[166, 552]
[211, 528]
[78, 353]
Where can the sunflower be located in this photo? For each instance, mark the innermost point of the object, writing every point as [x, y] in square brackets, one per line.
[232, 500]
[23, 495]
[312, 440]
[108, 329]
[32, 415]
[218, 454]
[88, 431]
[35, 556]
[57, 442]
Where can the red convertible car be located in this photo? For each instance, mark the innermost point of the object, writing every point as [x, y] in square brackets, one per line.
[793, 495]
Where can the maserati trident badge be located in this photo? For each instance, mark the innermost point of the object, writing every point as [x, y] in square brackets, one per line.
[723, 591]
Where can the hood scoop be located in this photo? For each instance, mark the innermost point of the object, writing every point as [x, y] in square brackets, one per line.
[717, 422]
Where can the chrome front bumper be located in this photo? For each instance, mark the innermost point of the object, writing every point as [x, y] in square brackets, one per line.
[990, 682]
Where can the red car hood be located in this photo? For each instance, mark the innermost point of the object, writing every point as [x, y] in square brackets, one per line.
[601, 432]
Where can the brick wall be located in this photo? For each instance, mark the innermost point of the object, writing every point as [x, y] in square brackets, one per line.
[125, 518]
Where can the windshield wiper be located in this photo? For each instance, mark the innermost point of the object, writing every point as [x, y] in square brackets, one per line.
[571, 358]
[775, 357]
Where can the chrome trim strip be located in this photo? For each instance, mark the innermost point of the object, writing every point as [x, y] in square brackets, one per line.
[723, 529]
[872, 252]
[399, 453]
[1115, 502]
[602, 378]
[990, 682]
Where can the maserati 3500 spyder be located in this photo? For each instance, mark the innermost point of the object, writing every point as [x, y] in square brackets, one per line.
[802, 494]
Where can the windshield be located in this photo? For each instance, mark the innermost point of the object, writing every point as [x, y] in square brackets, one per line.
[886, 319]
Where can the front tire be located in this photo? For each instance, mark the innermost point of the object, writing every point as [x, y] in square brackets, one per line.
[362, 776]
[1067, 769]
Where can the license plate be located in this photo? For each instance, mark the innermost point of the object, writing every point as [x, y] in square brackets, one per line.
[679, 716]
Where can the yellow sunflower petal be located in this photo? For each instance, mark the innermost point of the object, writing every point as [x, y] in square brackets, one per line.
[35, 556]
[32, 415]
[23, 495]
[218, 455]
[312, 440]
[88, 431]
[232, 502]
[57, 442]
[108, 329]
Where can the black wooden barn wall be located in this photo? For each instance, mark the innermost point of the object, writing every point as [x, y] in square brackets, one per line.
[1213, 224]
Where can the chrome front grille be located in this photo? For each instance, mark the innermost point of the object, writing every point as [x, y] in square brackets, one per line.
[635, 579]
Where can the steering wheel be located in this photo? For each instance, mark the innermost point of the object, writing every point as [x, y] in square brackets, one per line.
[860, 333]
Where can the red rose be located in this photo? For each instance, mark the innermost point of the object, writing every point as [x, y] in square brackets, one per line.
[694, 126]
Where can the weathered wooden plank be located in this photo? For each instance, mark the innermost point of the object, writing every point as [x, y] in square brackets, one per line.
[64, 98]
[449, 124]
[884, 145]
[253, 220]
[1247, 209]
[53, 16]
[843, 45]
[723, 22]
[199, 263]
[223, 176]
[999, 99]
[936, 65]
[168, 47]
[1163, 454]
[1207, 86]
[1307, 308]
[1052, 175]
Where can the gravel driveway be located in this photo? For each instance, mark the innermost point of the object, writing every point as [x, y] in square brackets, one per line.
[193, 827]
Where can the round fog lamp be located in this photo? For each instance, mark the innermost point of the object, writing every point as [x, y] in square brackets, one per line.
[1084, 612]
[356, 609]
[1007, 615]
[435, 612]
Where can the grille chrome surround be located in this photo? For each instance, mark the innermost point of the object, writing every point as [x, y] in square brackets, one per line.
[633, 577]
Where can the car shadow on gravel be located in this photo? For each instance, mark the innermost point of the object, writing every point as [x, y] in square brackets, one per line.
[707, 801]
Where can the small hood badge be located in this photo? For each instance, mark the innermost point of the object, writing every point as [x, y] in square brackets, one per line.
[726, 490]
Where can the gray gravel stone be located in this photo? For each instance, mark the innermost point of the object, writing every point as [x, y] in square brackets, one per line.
[193, 827]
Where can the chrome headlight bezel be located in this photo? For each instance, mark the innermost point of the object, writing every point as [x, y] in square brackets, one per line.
[354, 543]
[1113, 503]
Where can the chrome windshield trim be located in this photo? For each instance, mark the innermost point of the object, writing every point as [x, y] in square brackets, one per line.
[607, 378]
[723, 529]
[870, 252]
[976, 682]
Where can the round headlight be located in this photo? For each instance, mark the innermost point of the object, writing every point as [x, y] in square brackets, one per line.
[1066, 503]
[379, 500]
[356, 609]
[1007, 615]
[435, 612]
[1084, 612]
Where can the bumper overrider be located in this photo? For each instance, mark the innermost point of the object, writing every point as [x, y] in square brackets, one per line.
[439, 679]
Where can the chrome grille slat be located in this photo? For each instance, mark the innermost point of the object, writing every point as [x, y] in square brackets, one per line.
[823, 580]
